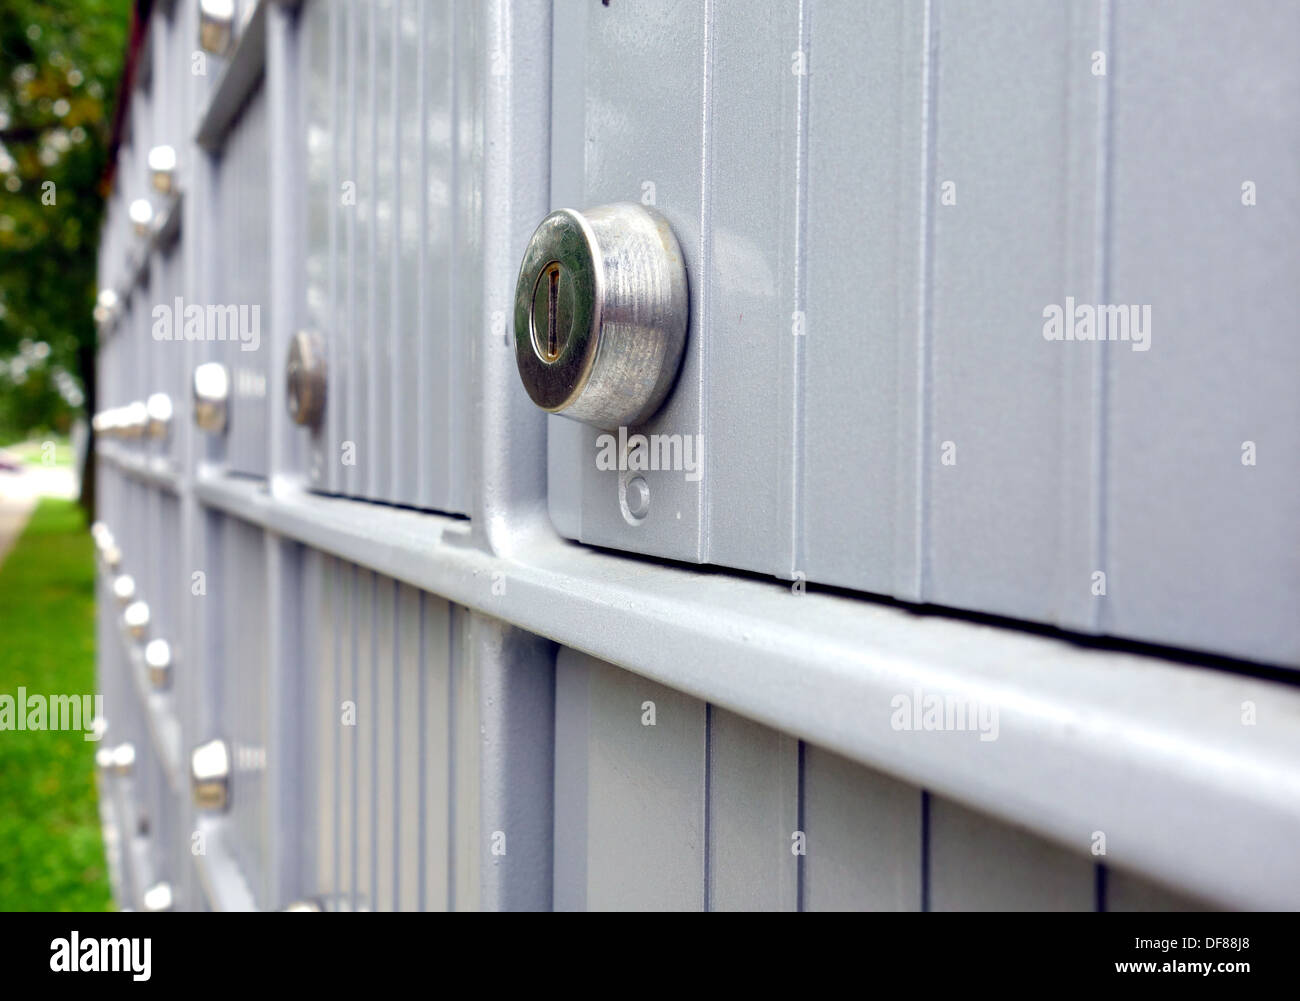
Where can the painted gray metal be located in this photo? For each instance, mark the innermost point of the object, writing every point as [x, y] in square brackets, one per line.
[435, 700]
[853, 333]
[392, 126]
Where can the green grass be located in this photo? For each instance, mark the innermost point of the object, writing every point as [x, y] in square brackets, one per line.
[38, 453]
[51, 855]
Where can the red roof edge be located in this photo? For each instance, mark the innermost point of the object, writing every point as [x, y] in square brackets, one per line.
[140, 11]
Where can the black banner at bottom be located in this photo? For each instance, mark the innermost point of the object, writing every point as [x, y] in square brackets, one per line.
[333, 951]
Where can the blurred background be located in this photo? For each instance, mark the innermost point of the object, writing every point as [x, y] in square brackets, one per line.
[60, 64]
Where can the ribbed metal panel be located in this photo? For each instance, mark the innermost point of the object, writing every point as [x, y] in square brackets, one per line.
[867, 370]
[393, 133]
[244, 272]
[386, 740]
[650, 784]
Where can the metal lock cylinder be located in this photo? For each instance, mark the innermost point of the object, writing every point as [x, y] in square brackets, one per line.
[216, 25]
[158, 409]
[159, 897]
[158, 662]
[210, 775]
[124, 588]
[601, 310]
[162, 169]
[135, 419]
[211, 396]
[141, 214]
[136, 619]
[305, 379]
[124, 758]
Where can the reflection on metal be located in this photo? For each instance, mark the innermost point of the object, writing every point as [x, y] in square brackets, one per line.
[600, 314]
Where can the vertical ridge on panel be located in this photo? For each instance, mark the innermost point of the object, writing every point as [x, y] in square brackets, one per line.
[1010, 185]
[366, 359]
[385, 885]
[753, 283]
[753, 816]
[259, 267]
[646, 803]
[351, 206]
[916, 242]
[324, 675]
[367, 720]
[319, 95]
[572, 741]
[438, 186]
[383, 386]
[407, 328]
[465, 124]
[863, 837]
[349, 718]
[436, 806]
[979, 864]
[1083, 397]
[516, 764]
[1203, 425]
[861, 194]
[408, 739]
[468, 845]
[649, 74]
[340, 404]
[257, 679]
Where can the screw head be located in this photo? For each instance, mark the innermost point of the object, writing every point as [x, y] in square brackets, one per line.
[636, 498]
[210, 775]
[601, 312]
[216, 25]
[211, 396]
[136, 619]
[305, 379]
[158, 409]
[158, 661]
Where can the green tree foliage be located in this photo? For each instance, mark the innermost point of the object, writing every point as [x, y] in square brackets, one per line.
[60, 63]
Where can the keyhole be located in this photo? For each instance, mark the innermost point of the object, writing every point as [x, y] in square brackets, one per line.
[552, 313]
[553, 302]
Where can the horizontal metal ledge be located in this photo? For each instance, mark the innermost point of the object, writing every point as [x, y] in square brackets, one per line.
[1152, 754]
[151, 469]
[222, 882]
[242, 75]
[164, 728]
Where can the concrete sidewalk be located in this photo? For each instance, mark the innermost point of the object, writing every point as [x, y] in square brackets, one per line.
[19, 493]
